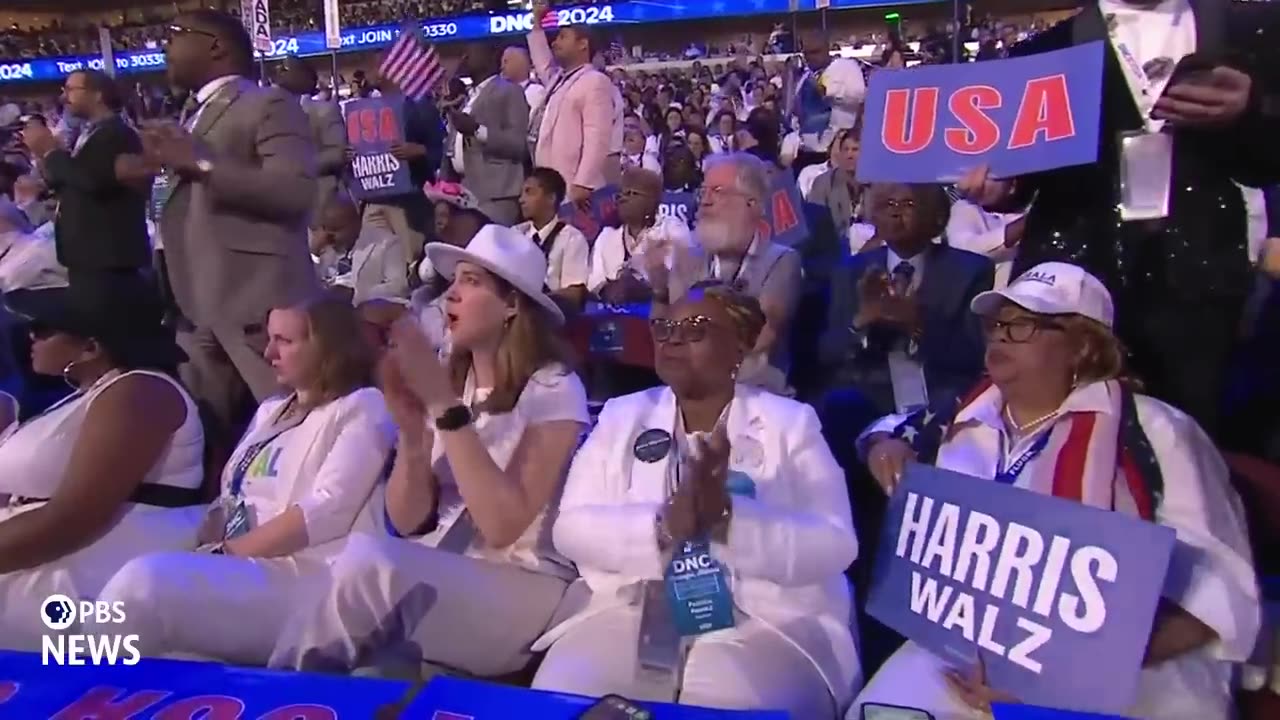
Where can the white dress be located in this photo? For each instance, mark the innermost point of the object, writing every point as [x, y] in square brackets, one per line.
[33, 462]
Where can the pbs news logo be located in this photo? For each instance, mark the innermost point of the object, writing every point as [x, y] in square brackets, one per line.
[60, 613]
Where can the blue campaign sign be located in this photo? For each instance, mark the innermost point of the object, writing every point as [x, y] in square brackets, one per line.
[935, 122]
[784, 219]
[178, 690]
[447, 698]
[1057, 597]
[373, 126]
[462, 27]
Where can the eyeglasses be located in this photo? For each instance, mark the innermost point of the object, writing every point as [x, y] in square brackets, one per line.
[634, 193]
[718, 191]
[175, 30]
[895, 204]
[689, 330]
[1018, 330]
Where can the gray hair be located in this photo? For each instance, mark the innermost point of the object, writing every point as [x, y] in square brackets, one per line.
[751, 174]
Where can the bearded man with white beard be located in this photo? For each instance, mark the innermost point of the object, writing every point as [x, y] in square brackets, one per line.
[733, 250]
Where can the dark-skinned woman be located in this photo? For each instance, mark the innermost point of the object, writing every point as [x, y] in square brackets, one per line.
[1071, 427]
[710, 473]
[110, 472]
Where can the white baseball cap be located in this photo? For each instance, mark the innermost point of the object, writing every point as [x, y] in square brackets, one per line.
[507, 253]
[1053, 288]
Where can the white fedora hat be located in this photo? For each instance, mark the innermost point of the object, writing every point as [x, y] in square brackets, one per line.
[509, 254]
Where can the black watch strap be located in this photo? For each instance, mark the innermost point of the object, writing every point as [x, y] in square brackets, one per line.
[454, 418]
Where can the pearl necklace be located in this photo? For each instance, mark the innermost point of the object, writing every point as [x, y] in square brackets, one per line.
[1022, 428]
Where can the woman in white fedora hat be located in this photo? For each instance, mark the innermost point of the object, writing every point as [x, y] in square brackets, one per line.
[1057, 416]
[466, 576]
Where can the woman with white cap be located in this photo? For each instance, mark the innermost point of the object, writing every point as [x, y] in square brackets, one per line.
[1055, 409]
[466, 576]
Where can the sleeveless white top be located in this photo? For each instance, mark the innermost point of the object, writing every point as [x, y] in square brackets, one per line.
[34, 456]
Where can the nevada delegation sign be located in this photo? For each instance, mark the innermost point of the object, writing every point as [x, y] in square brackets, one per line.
[1057, 597]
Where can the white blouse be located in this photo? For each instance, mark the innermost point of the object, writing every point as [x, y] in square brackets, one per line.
[610, 256]
[553, 393]
[34, 456]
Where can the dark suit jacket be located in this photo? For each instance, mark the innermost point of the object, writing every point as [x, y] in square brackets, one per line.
[1200, 253]
[102, 223]
[951, 343]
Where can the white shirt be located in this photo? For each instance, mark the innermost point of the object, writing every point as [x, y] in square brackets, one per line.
[327, 466]
[1255, 206]
[806, 177]
[35, 456]
[534, 94]
[569, 260]
[1211, 573]
[552, 394]
[845, 87]
[29, 262]
[609, 255]
[206, 92]
[979, 231]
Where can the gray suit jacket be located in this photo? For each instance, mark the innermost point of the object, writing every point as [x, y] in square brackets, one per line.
[836, 197]
[494, 169]
[236, 243]
[330, 135]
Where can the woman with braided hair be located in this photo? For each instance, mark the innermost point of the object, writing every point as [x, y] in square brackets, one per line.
[734, 482]
[1056, 416]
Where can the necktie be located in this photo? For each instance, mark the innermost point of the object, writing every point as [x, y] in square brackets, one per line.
[903, 273]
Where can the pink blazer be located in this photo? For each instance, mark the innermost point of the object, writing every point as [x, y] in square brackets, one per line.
[578, 124]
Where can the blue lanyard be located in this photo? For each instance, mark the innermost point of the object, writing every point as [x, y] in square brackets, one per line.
[1009, 475]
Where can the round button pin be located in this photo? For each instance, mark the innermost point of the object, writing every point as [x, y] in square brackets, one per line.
[652, 445]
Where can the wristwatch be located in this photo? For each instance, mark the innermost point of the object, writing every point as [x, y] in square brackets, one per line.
[454, 418]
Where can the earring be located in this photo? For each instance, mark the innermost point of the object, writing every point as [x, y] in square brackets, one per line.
[733, 374]
[1075, 379]
[66, 376]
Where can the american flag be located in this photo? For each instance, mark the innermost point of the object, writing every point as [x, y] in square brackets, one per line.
[413, 64]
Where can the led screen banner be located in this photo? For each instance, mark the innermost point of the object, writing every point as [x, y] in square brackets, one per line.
[463, 27]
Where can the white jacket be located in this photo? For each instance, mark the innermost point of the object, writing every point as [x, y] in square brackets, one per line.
[328, 466]
[788, 546]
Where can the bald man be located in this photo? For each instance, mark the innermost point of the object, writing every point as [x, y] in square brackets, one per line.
[518, 68]
[492, 137]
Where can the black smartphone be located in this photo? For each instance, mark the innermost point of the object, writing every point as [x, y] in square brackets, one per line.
[878, 711]
[615, 707]
[1194, 68]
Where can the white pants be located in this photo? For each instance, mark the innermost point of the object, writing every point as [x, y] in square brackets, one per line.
[390, 597]
[212, 607]
[1189, 688]
[82, 574]
[747, 667]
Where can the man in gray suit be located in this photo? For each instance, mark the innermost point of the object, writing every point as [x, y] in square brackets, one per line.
[235, 224]
[494, 128]
[327, 129]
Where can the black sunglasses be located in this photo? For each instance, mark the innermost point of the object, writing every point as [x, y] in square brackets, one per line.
[176, 29]
[37, 330]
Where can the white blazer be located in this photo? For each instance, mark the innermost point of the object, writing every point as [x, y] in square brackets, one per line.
[788, 547]
[328, 466]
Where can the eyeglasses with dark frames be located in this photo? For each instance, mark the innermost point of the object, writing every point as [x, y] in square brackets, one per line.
[690, 330]
[1020, 329]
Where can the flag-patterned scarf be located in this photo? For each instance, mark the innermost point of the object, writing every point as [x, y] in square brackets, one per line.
[1103, 460]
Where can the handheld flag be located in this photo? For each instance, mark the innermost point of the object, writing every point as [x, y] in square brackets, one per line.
[413, 64]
